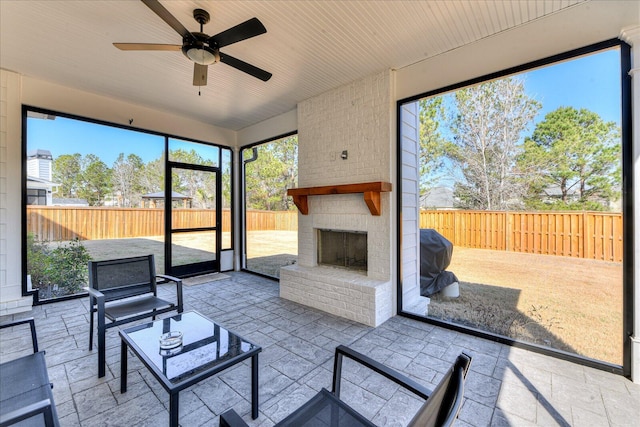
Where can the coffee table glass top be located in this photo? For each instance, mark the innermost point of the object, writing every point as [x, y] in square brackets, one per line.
[205, 345]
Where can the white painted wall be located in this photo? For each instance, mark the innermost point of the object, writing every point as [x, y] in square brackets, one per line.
[409, 124]
[40, 168]
[268, 129]
[11, 299]
[353, 118]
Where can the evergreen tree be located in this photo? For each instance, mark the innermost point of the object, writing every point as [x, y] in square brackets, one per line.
[96, 180]
[572, 161]
[432, 143]
[66, 172]
[273, 172]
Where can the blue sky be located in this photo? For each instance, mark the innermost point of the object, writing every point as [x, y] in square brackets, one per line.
[591, 82]
[67, 136]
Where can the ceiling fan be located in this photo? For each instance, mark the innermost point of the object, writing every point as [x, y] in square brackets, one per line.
[201, 48]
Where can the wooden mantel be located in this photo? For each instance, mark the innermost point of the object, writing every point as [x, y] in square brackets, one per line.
[370, 191]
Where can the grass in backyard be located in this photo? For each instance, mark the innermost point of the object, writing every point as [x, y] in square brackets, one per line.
[571, 304]
[267, 250]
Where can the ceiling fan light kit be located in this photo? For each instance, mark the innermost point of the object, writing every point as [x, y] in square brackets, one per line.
[199, 47]
[200, 54]
[197, 50]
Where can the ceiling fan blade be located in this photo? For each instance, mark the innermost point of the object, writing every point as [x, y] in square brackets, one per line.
[200, 74]
[251, 28]
[147, 46]
[167, 17]
[247, 68]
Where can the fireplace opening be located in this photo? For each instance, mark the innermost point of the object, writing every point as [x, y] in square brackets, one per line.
[347, 249]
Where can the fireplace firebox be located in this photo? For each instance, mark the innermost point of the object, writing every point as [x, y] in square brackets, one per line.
[346, 249]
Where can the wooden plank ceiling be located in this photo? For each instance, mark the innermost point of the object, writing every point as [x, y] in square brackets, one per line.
[310, 47]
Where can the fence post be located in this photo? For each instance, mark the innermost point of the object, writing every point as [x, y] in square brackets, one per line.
[508, 217]
[586, 238]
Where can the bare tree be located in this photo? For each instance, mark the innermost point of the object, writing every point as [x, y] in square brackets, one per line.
[126, 179]
[152, 176]
[486, 126]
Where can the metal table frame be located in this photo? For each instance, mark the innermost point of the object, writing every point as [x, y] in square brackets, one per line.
[174, 388]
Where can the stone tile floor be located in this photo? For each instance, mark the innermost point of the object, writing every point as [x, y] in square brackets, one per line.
[506, 386]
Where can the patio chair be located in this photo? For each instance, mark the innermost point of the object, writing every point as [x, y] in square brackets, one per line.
[124, 290]
[328, 409]
[25, 390]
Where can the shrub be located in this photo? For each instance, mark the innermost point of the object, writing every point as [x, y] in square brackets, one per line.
[37, 260]
[68, 266]
[64, 267]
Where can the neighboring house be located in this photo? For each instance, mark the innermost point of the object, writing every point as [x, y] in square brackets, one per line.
[156, 200]
[553, 193]
[69, 202]
[437, 198]
[40, 187]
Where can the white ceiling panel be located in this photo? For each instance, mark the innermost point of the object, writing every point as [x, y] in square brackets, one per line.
[310, 47]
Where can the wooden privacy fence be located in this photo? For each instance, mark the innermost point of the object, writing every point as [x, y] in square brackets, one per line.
[56, 223]
[592, 235]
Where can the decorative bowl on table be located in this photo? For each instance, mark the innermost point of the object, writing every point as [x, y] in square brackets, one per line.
[170, 340]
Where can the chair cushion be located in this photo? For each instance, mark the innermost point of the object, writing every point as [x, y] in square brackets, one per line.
[325, 409]
[135, 306]
[19, 376]
[25, 381]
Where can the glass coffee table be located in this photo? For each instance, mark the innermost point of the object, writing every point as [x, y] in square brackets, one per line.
[207, 349]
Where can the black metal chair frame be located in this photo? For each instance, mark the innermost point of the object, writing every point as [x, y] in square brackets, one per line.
[31, 387]
[440, 409]
[124, 304]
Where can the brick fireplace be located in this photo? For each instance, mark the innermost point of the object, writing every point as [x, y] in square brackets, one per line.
[356, 294]
[344, 138]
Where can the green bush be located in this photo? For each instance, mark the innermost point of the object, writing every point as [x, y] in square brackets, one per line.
[37, 260]
[64, 266]
[68, 266]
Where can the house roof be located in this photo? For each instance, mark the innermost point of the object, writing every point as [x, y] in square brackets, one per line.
[69, 202]
[160, 195]
[437, 198]
[310, 46]
[39, 153]
[41, 181]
